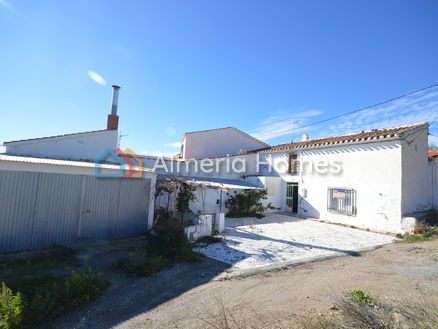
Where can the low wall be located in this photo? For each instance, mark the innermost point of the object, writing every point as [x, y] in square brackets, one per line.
[205, 226]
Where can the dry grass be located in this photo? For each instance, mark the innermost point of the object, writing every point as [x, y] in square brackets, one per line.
[422, 232]
[352, 311]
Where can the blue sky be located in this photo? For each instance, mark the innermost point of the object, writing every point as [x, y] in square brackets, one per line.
[192, 65]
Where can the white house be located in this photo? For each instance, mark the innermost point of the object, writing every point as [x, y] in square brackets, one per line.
[218, 142]
[373, 179]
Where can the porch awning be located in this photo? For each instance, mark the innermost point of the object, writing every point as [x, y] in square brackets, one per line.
[215, 183]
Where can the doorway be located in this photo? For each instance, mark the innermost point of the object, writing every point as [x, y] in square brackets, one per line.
[292, 197]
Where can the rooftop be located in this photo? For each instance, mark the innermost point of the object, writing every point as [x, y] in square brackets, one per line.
[55, 136]
[228, 128]
[358, 137]
[59, 162]
[432, 154]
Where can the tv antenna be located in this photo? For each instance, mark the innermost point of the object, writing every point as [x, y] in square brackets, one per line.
[295, 125]
[120, 138]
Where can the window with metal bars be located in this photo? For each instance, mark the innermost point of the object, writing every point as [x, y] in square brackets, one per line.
[341, 201]
[294, 164]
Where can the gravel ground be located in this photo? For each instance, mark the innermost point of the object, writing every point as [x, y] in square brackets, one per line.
[279, 239]
[188, 294]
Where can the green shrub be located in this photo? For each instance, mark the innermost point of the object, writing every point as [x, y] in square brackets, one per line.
[138, 265]
[81, 288]
[55, 296]
[165, 245]
[11, 308]
[187, 253]
[168, 238]
[170, 242]
[246, 204]
[360, 295]
[185, 195]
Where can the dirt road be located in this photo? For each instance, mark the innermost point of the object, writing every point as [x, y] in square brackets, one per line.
[186, 295]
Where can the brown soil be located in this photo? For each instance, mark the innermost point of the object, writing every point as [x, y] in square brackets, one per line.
[190, 295]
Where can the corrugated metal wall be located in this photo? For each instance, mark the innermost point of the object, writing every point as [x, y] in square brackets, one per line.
[40, 210]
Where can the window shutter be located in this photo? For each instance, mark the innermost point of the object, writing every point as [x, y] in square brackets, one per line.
[294, 164]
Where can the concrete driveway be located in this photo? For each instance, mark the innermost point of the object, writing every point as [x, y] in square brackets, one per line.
[277, 240]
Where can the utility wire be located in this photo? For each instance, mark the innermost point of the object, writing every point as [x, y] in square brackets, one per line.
[361, 109]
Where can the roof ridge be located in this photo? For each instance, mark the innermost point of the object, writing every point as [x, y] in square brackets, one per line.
[204, 130]
[361, 135]
[229, 127]
[55, 136]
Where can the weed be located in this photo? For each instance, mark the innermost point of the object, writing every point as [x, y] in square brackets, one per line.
[360, 295]
[39, 263]
[46, 289]
[138, 265]
[356, 310]
[187, 253]
[58, 295]
[422, 232]
[170, 242]
[81, 288]
[11, 308]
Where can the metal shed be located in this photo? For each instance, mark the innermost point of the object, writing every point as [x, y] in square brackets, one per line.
[46, 202]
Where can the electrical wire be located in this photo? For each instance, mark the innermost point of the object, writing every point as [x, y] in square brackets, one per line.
[358, 110]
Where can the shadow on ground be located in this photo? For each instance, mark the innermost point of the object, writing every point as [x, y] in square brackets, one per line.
[128, 297]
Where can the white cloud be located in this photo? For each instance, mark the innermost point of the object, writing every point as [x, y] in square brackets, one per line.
[433, 140]
[158, 153]
[7, 5]
[417, 108]
[421, 107]
[174, 144]
[96, 77]
[280, 123]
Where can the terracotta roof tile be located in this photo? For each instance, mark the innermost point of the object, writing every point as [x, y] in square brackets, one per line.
[359, 137]
[432, 154]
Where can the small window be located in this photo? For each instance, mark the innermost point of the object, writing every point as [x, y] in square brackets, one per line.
[342, 201]
[294, 164]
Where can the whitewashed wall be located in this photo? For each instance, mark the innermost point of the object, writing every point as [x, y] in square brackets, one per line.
[373, 170]
[218, 142]
[187, 167]
[415, 173]
[207, 201]
[84, 146]
[276, 197]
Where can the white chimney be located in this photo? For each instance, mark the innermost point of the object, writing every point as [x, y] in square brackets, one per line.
[305, 137]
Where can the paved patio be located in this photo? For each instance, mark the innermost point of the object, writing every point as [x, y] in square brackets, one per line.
[276, 240]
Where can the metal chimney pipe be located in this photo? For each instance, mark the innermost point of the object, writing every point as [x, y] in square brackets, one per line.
[115, 99]
[113, 118]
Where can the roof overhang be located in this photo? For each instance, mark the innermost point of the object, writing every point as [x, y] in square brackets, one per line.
[213, 183]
